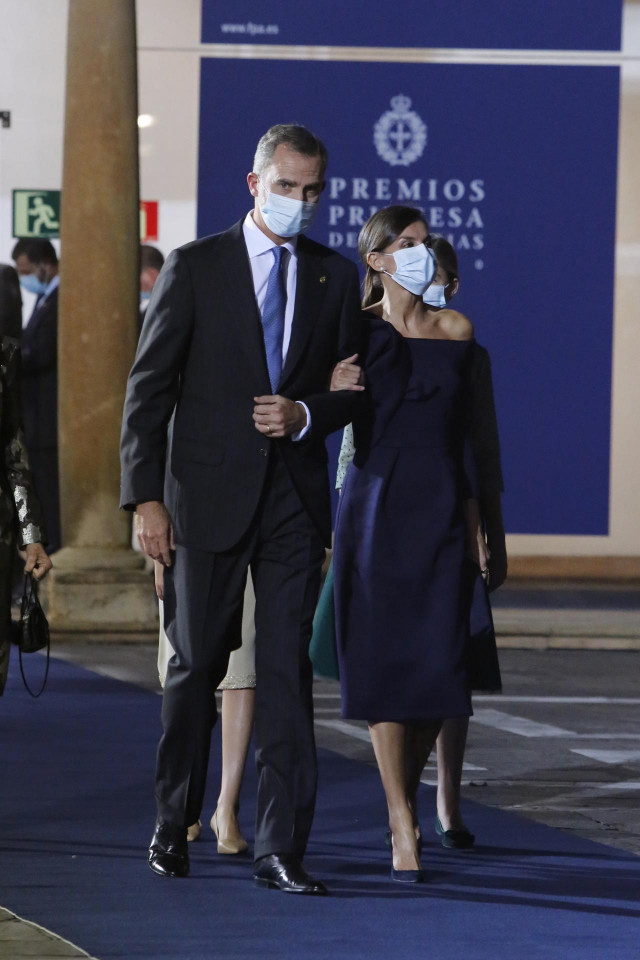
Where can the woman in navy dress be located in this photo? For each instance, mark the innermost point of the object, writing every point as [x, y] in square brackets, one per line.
[408, 528]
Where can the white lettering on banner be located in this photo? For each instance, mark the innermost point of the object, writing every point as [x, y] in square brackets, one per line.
[409, 192]
[253, 29]
[460, 223]
[450, 206]
[454, 190]
[360, 189]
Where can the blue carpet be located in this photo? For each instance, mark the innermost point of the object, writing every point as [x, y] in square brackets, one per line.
[77, 813]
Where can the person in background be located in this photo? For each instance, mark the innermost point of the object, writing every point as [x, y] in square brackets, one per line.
[452, 740]
[19, 507]
[37, 265]
[151, 263]
[10, 303]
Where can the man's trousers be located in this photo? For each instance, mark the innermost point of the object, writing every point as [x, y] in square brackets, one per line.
[203, 597]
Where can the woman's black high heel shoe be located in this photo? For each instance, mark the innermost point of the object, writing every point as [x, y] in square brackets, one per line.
[454, 839]
[405, 876]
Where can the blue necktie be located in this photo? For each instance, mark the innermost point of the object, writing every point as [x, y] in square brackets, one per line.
[275, 304]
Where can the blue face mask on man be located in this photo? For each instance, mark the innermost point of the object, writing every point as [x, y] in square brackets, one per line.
[30, 283]
[287, 217]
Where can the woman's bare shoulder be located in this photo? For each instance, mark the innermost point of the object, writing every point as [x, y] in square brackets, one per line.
[455, 325]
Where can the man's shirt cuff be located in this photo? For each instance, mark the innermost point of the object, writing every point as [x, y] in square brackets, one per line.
[305, 430]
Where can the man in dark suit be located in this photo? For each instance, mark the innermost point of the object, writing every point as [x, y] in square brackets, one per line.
[37, 265]
[238, 344]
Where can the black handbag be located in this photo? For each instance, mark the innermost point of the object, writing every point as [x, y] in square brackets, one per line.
[33, 629]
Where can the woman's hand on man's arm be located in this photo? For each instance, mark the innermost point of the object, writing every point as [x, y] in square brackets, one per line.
[347, 375]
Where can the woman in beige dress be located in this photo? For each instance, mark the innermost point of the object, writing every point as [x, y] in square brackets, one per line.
[238, 700]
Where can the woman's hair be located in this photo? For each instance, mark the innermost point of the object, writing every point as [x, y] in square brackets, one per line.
[379, 231]
[445, 256]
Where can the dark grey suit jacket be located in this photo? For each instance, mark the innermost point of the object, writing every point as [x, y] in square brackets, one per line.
[201, 360]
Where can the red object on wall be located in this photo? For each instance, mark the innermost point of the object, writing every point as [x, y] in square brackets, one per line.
[148, 220]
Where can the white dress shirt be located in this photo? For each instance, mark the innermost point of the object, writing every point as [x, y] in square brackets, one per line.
[259, 248]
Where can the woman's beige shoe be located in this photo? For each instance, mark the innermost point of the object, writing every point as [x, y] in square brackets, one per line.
[228, 844]
[194, 831]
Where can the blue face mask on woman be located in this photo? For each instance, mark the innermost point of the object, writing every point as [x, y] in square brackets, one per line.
[435, 295]
[287, 217]
[415, 268]
[30, 283]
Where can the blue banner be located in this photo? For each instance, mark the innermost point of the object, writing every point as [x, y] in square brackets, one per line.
[492, 24]
[516, 165]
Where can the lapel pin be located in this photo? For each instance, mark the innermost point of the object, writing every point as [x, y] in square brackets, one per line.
[323, 279]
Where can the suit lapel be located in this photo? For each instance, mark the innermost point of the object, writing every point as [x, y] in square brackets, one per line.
[310, 289]
[238, 289]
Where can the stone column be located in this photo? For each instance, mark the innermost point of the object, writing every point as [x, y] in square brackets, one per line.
[98, 583]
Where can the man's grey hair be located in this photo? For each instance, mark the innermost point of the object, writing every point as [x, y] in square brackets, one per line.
[294, 136]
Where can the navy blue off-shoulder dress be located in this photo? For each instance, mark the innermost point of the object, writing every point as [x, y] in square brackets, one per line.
[403, 581]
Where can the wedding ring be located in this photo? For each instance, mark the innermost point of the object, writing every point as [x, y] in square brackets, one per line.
[269, 429]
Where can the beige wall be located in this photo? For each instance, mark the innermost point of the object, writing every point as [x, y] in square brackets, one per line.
[32, 49]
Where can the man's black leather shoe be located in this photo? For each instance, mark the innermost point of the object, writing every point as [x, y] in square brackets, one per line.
[285, 872]
[168, 854]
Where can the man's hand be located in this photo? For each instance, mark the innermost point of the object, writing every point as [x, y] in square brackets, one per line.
[38, 561]
[347, 375]
[278, 417]
[154, 530]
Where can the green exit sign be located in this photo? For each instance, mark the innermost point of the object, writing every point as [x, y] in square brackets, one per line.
[36, 213]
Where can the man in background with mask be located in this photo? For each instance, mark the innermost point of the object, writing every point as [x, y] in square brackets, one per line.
[240, 337]
[37, 265]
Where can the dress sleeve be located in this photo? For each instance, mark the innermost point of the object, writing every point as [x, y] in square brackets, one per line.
[485, 440]
[387, 368]
[467, 465]
[347, 453]
[14, 452]
[331, 409]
